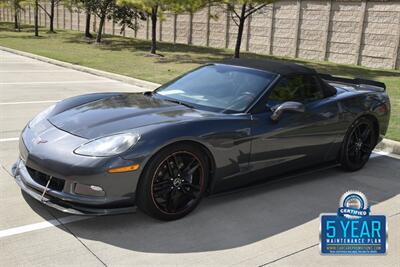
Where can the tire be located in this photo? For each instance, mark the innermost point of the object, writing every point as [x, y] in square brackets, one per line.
[358, 144]
[169, 198]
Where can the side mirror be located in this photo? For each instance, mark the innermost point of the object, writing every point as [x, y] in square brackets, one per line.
[277, 111]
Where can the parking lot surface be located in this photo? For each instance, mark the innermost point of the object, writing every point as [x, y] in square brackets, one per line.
[275, 224]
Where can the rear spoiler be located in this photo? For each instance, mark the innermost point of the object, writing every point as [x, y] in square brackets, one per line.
[361, 83]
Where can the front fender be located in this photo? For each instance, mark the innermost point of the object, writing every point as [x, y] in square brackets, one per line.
[228, 141]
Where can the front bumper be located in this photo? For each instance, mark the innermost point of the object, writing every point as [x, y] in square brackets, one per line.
[70, 173]
[58, 200]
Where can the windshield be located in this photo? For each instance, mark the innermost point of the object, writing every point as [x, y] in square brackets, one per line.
[218, 87]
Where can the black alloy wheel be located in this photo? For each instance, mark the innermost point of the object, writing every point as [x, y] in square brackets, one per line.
[177, 182]
[173, 183]
[358, 145]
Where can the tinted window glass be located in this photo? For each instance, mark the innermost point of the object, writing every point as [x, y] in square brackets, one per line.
[302, 88]
[312, 88]
[220, 87]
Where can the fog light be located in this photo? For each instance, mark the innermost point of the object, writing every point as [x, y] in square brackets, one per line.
[96, 188]
[89, 190]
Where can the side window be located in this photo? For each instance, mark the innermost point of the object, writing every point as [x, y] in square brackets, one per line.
[312, 89]
[287, 89]
[302, 88]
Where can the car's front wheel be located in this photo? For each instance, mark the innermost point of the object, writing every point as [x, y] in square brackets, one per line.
[173, 182]
[358, 144]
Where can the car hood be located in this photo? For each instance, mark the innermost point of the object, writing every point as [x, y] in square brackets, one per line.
[120, 113]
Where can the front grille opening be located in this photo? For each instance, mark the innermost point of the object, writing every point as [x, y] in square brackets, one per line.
[41, 178]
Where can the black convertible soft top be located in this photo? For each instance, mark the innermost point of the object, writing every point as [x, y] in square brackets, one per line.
[274, 66]
[279, 67]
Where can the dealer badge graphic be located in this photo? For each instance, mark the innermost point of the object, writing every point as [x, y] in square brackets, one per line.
[353, 230]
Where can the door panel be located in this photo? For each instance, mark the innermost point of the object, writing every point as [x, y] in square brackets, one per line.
[296, 140]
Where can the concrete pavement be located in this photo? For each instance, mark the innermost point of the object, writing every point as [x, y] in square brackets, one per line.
[273, 224]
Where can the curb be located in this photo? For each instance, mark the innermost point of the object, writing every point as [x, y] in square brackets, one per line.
[140, 83]
[390, 146]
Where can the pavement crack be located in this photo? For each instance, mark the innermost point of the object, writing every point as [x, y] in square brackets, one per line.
[77, 238]
[6, 170]
[288, 255]
[393, 215]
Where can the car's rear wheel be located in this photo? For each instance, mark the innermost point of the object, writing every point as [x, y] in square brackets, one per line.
[173, 182]
[358, 144]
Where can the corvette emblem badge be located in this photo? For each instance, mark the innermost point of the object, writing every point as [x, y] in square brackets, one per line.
[39, 140]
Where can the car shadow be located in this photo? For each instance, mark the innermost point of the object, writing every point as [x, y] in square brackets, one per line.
[242, 217]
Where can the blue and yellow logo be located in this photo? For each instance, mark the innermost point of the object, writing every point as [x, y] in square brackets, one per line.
[353, 230]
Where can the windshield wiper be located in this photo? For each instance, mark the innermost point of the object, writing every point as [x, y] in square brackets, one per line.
[178, 102]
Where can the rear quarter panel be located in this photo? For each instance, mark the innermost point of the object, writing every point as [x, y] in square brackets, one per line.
[354, 104]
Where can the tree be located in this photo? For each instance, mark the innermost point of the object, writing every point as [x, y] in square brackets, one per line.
[247, 8]
[151, 8]
[36, 6]
[53, 4]
[36, 18]
[35, 15]
[103, 9]
[88, 10]
[189, 6]
[88, 6]
[155, 9]
[50, 13]
[106, 9]
[127, 16]
[17, 5]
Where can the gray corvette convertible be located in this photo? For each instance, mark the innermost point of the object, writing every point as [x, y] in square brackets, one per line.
[221, 126]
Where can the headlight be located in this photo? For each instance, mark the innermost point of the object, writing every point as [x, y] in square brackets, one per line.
[109, 145]
[41, 116]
